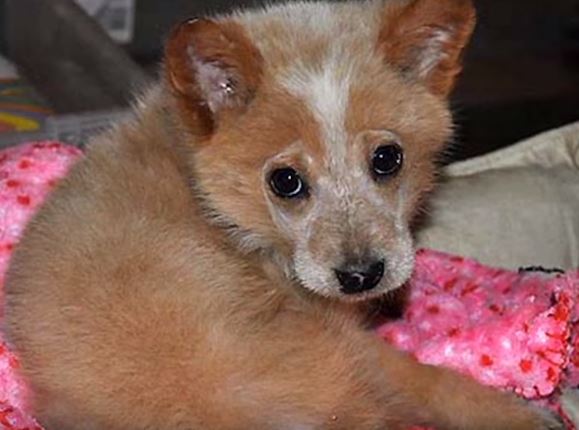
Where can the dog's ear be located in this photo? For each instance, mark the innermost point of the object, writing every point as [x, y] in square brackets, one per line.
[213, 68]
[424, 39]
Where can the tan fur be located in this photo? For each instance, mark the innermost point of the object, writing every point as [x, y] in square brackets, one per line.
[159, 286]
[437, 30]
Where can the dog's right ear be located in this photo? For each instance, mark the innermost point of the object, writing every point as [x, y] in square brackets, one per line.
[213, 68]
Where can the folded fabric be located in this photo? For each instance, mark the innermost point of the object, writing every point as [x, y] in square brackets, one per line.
[515, 206]
[514, 331]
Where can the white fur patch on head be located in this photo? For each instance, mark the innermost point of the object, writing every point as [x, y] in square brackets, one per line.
[325, 89]
[321, 50]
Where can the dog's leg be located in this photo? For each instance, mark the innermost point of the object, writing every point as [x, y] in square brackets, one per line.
[451, 401]
[338, 377]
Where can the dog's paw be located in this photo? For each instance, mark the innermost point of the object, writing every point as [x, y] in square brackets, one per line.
[570, 405]
[548, 420]
[527, 416]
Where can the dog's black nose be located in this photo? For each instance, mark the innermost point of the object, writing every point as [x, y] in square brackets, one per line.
[354, 280]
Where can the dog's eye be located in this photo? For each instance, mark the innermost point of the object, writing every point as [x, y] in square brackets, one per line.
[287, 183]
[387, 160]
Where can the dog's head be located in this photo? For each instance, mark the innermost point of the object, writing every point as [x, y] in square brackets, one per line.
[315, 129]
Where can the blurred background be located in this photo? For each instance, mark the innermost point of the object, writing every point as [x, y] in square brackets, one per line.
[69, 67]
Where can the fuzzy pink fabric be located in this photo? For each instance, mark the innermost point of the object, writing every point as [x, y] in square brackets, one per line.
[505, 329]
[513, 331]
[27, 174]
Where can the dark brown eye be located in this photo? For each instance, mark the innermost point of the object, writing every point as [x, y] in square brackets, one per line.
[387, 160]
[287, 183]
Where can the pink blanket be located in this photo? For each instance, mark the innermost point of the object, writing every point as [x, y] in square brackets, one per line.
[514, 331]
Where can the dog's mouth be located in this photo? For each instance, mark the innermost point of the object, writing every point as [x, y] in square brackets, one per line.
[353, 286]
[359, 280]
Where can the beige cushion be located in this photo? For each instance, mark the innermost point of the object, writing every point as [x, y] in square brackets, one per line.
[515, 207]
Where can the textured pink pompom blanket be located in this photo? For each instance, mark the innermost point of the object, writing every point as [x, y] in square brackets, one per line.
[514, 331]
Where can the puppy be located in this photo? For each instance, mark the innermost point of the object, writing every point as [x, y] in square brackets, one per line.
[203, 266]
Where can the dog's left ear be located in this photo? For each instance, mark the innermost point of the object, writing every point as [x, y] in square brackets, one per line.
[213, 68]
[424, 39]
